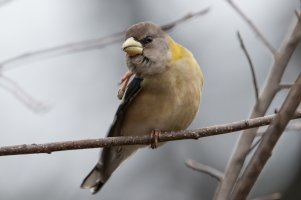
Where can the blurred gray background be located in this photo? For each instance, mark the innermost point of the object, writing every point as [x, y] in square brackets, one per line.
[81, 89]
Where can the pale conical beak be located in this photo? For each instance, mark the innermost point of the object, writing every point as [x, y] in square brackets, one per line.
[132, 47]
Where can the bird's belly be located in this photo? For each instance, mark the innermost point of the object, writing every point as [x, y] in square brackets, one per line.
[165, 112]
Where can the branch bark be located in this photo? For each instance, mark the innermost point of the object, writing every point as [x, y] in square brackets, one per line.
[138, 140]
[268, 93]
[270, 138]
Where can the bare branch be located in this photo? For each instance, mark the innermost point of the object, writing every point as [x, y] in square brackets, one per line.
[62, 50]
[192, 164]
[16, 90]
[169, 26]
[267, 95]
[255, 144]
[273, 196]
[85, 45]
[141, 140]
[253, 27]
[270, 138]
[255, 83]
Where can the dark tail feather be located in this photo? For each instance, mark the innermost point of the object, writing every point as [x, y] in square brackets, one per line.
[111, 158]
[95, 179]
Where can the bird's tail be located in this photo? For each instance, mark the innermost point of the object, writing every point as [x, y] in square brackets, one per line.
[94, 180]
[110, 160]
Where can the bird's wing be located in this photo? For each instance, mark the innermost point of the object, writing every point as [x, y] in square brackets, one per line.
[133, 89]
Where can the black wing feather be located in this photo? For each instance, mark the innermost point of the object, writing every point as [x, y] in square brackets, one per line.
[132, 90]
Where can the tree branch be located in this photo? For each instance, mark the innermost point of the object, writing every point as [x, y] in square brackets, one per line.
[268, 93]
[192, 164]
[255, 83]
[169, 26]
[253, 27]
[138, 140]
[17, 91]
[62, 50]
[86, 45]
[270, 138]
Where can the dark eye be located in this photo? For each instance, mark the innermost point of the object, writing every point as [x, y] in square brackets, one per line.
[147, 39]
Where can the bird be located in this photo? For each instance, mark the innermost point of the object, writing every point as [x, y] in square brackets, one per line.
[164, 95]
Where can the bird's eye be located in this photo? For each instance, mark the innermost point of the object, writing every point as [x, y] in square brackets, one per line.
[147, 39]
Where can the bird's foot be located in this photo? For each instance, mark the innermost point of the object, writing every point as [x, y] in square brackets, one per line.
[155, 134]
[124, 83]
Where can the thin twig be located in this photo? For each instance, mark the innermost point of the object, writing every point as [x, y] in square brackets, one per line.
[169, 26]
[270, 138]
[17, 91]
[192, 164]
[255, 144]
[139, 140]
[273, 196]
[62, 50]
[86, 45]
[253, 27]
[255, 83]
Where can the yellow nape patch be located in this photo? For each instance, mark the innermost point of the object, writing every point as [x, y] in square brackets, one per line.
[177, 50]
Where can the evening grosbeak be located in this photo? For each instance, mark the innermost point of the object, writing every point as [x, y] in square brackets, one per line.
[164, 95]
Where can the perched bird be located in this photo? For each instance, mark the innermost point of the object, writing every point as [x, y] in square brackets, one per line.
[164, 95]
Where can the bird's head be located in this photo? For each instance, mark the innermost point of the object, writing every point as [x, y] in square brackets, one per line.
[147, 49]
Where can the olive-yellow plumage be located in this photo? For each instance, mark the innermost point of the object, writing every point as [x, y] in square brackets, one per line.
[164, 95]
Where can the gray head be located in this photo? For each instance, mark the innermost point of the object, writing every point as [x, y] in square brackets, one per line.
[147, 48]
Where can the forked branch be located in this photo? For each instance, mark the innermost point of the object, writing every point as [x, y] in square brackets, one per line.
[270, 138]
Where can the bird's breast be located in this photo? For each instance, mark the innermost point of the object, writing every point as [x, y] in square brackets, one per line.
[167, 102]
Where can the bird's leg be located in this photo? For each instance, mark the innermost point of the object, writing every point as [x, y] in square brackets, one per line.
[124, 83]
[155, 134]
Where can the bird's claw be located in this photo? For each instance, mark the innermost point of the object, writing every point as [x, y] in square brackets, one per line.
[155, 134]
